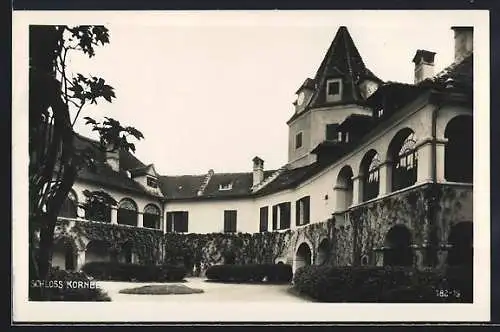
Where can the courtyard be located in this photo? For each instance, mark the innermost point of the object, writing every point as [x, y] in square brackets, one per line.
[213, 292]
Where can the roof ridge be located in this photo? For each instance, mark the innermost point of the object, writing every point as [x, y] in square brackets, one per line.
[205, 182]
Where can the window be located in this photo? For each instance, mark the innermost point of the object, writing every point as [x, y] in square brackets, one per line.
[371, 176]
[281, 216]
[177, 221]
[264, 219]
[380, 112]
[333, 90]
[459, 151]
[127, 213]
[152, 182]
[230, 221]
[225, 186]
[331, 132]
[151, 217]
[98, 211]
[69, 207]
[302, 211]
[405, 166]
[298, 140]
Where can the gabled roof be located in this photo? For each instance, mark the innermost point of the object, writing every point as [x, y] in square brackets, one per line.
[341, 60]
[143, 170]
[102, 174]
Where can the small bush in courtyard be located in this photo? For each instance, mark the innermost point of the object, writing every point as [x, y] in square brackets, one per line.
[134, 272]
[275, 273]
[57, 289]
[383, 284]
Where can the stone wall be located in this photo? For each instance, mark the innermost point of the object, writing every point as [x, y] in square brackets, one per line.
[351, 237]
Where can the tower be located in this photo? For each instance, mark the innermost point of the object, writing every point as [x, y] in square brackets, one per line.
[339, 88]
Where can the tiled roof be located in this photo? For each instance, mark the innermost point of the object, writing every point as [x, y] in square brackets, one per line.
[187, 186]
[102, 174]
[181, 187]
[341, 60]
[292, 177]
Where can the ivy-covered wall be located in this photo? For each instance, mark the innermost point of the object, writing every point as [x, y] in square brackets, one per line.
[349, 236]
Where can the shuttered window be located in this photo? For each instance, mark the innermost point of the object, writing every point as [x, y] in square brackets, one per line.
[230, 221]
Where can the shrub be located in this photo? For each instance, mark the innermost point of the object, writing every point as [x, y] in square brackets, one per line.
[383, 284]
[134, 272]
[58, 290]
[276, 273]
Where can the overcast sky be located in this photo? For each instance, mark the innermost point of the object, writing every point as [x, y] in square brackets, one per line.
[215, 91]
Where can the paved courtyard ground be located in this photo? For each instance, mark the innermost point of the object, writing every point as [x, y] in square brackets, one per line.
[217, 292]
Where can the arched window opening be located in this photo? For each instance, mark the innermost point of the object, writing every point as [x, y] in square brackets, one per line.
[151, 217]
[69, 207]
[398, 251]
[323, 252]
[461, 245]
[127, 212]
[303, 256]
[126, 253]
[371, 175]
[344, 189]
[64, 255]
[458, 161]
[98, 251]
[405, 160]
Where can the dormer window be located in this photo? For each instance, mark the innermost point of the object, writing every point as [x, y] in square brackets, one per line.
[152, 182]
[333, 90]
[225, 186]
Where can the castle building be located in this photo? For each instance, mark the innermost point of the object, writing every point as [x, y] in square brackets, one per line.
[378, 172]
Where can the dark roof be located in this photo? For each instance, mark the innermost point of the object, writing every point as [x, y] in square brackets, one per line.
[309, 83]
[181, 187]
[342, 60]
[458, 76]
[187, 186]
[290, 178]
[102, 174]
[356, 121]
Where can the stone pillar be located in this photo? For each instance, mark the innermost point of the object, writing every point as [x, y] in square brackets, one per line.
[140, 219]
[424, 168]
[340, 198]
[357, 192]
[385, 180]
[440, 158]
[114, 216]
[80, 259]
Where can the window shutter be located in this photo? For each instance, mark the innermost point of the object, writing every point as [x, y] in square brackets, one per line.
[275, 217]
[170, 222]
[285, 215]
[297, 213]
[263, 219]
[307, 209]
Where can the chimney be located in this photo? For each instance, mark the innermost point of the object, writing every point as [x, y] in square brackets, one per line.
[424, 65]
[113, 158]
[463, 42]
[258, 170]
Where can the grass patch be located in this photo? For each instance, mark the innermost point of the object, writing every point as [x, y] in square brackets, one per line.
[161, 290]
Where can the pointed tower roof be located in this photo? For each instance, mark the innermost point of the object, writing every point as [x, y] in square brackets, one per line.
[342, 60]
